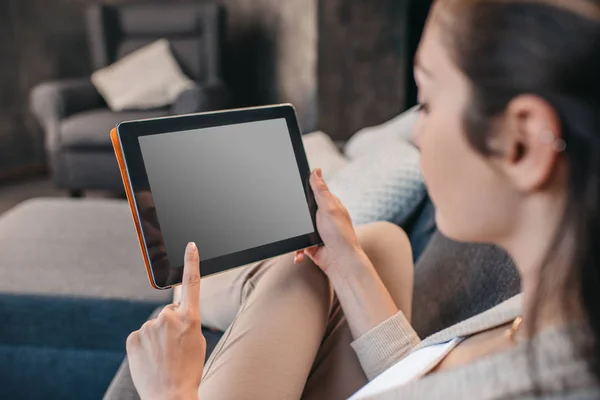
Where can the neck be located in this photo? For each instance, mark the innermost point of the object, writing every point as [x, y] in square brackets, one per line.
[546, 301]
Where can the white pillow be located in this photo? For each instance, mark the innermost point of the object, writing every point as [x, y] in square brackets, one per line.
[322, 152]
[376, 138]
[149, 77]
[384, 185]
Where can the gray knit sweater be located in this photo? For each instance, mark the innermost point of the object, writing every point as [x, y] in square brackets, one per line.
[561, 372]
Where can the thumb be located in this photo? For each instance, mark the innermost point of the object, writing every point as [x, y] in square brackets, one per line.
[324, 198]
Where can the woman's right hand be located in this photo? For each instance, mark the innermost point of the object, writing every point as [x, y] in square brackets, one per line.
[334, 225]
[363, 296]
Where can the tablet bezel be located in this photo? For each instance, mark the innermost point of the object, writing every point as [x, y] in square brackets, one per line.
[128, 134]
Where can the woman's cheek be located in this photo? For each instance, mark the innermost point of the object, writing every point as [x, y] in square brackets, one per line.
[441, 165]
[431, 154]
[424, 140]
[417, 131]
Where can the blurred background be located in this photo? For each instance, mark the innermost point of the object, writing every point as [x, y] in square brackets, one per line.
[344, 64]
[72, 281]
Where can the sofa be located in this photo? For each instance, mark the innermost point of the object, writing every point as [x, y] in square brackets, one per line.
[73, 287]
[76, 119]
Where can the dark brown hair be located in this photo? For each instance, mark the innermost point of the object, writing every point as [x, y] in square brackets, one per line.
[548, 48]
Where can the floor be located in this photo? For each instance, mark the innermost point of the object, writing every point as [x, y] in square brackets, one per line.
[14, 192]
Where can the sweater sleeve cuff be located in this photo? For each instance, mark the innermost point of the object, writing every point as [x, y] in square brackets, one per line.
[385, 345]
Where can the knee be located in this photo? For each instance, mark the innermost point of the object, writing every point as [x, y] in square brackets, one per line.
[305, 276]
[388, 248]
[383, 237]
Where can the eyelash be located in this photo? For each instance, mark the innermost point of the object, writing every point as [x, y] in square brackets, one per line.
[423, 107]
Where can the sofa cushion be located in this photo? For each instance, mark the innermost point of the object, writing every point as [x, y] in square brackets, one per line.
[322, 152]
[184, 50]
[374, 139]
[147, 78]
[74, 248]
[385, 185]
[91, 129]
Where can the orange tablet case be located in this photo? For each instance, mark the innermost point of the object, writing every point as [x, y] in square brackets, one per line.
[129, 192]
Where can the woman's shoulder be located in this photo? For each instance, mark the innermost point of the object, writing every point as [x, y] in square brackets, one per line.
[496, 316]
[553, 363]
[558, 373]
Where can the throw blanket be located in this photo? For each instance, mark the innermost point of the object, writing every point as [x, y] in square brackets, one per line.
[377, 175]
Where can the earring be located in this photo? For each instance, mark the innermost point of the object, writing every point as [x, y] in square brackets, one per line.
[549, 137]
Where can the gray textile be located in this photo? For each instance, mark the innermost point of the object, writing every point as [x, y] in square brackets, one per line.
[91, 129]
[73, 287]
[210, 96]
[383, 185]
[97, 169]
[53, 101]
[74, 116]
[184, 51]
[121, 387]
[83, 248]
[193, 30]
[454, 281]
[439, 275]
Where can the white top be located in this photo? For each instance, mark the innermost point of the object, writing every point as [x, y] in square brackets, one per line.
[412, 367]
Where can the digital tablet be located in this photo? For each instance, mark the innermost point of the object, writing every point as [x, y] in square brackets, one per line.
[234, 182]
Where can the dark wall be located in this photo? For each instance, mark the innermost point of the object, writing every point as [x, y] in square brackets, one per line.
[365, 56]
[270, 57]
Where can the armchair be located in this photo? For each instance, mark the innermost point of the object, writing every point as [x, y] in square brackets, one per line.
[75, 118]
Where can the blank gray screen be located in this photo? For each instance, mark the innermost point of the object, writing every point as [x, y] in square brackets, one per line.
[227, 188]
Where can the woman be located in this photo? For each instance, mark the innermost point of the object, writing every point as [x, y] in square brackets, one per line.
[510, 139]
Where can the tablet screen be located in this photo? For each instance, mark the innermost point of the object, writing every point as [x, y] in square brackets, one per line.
[228, 188]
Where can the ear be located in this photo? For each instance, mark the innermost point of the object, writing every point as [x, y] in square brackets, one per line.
[530, 142]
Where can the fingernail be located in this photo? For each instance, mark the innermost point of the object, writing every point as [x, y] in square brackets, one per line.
[319, 173]
[191, 247]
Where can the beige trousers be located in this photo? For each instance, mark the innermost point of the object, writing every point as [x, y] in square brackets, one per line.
[285, 333]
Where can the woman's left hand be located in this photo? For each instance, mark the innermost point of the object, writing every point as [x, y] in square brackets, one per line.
[166, 356]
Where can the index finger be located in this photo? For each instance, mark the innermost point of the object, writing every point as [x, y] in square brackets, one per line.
[190, 296]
